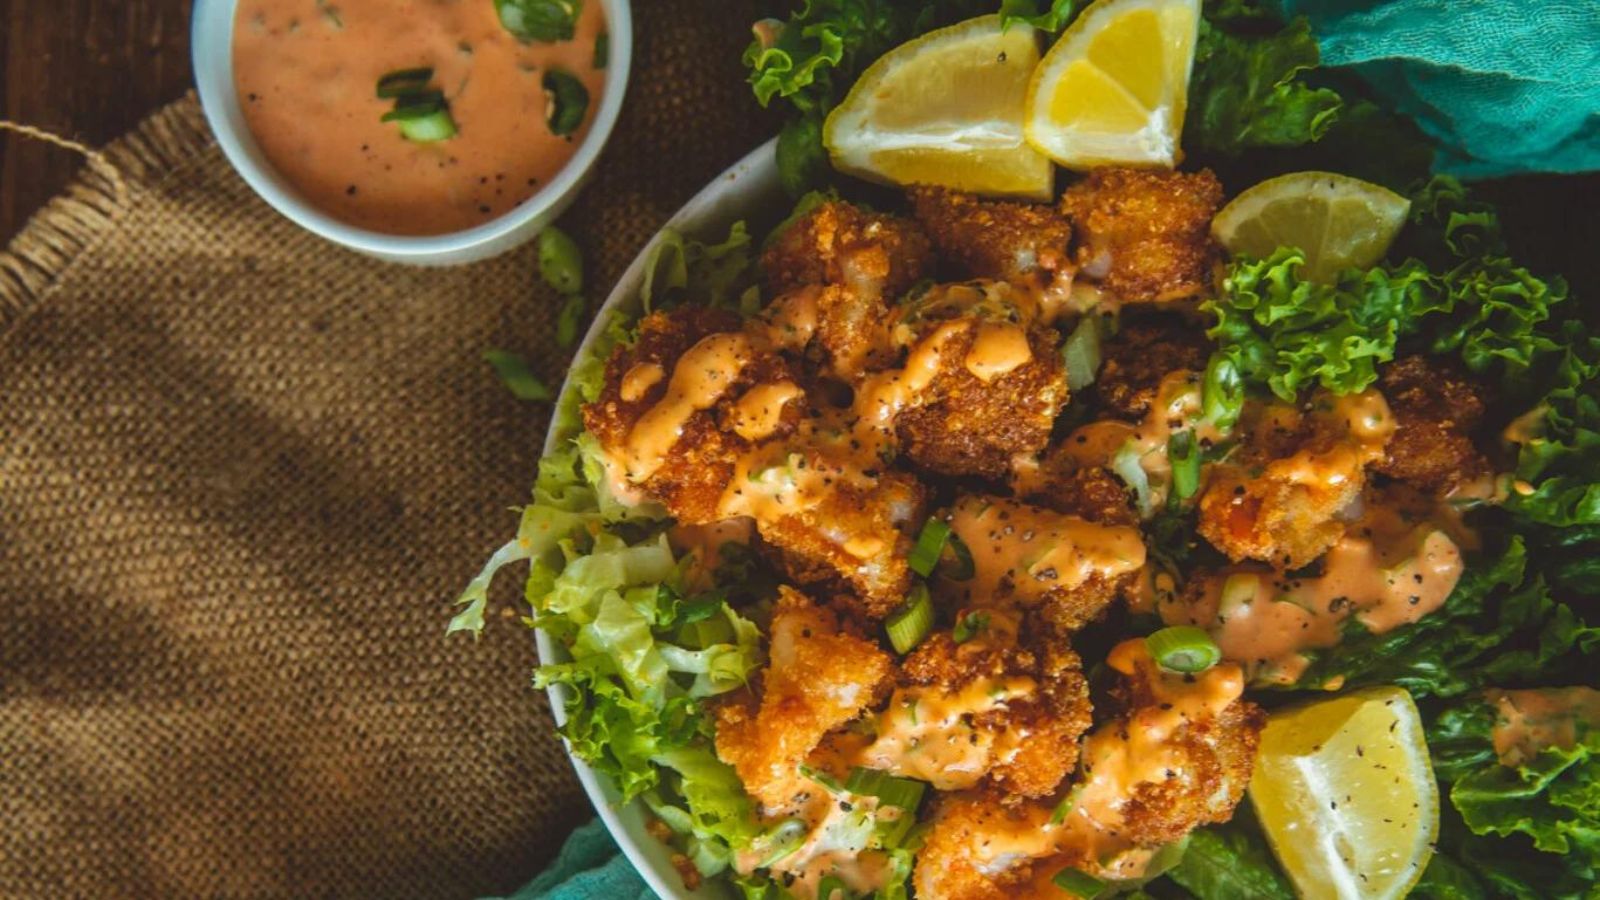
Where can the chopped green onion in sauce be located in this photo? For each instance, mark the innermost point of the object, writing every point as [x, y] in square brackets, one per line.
[602, 50]
[548, 21]
[1183, 453]
[1183, 648]
[404, 81]
[566, 101]
[930, 544]
[422, 112]
[891, 790]
[909, 624]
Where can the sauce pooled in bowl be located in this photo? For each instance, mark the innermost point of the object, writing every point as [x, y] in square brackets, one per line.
[307, 74]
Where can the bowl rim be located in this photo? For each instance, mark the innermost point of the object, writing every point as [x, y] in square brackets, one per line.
[731, 195]
[211, 57]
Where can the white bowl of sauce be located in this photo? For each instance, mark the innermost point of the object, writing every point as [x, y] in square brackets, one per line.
[503, 128]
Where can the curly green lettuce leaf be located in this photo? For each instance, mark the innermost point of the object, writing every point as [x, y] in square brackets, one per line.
[701, 798]
[680, 269]
[1247, 89]
[1052, 16]
[1530, 830]
[1289, 334]
[1231, 862]
[1500, 625]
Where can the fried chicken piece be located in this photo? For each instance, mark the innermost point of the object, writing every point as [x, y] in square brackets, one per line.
[819, 676]
[853, 536]
[1148, 231]
[690, 473]
[980, 849]
[876, 256]
[1026, 557]
[1177, 756]
[995, 239]
[1435, 407]
[1145, 350]
[1280, 497]
[997, 393]
[1192, 737]
[1000, 709]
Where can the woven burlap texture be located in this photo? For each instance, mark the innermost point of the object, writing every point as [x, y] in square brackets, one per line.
[243, 473]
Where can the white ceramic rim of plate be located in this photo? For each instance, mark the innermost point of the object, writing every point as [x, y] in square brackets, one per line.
[211, 36]
[747, 188]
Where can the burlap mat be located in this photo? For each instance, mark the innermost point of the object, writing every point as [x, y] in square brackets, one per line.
[242, 474]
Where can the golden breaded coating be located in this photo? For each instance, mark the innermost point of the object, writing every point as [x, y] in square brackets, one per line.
[1435, 407]
[980, 849]
[818, 677]
[1208, 754]
[995, 710]
[1058, 482]
[1028, 557]
[874, 255]
[1148, 231]
[855, 537]
[962, 424]
[1279, 498]
[696, 469]
[994, 238]
[1145, 350]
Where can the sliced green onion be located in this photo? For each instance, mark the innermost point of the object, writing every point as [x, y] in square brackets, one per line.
[1237, 590]
[560, 261]
[514, 372]
[1066, 806]
[1183, 648]
[909, 624]
[435, 126]
[1128, 465]
[896, 833]
[1079, 884]
[1222, 394]
[822, 778]
[971, 625]
[1080, 354]
[404, 81]
[415, 105]
[930, 543]
[566, 101]
[891, 790]
[783, 839]
[539, 20]
[963, 568]
[1183, 453]
[832, 885]
[602, 50]
[569, 318]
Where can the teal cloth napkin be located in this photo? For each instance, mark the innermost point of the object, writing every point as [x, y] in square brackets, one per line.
[1504, 86]
[589, 867]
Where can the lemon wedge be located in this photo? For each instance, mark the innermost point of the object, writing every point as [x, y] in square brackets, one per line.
[1346, 794]
[1112, 90]
[945, 109]
[1337, 220]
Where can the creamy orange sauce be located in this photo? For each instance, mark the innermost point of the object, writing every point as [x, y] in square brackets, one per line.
[758, 411]
[1118, 757]
[997, 349]
[1175, 408]
[791, 320]
[638, 380]
[1269, 621]
[884, 395]
[1367, 425]
[306, 73]
[703, 374]
[1529, 721]
[1025, 552]
[928, 734]
[702, 545]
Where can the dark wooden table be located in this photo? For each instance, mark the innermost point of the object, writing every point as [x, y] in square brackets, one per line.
[84, 69]
[91, 69]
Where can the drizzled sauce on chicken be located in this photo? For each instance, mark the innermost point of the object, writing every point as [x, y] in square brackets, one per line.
[908, 370]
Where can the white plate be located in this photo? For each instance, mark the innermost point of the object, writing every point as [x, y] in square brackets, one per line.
[748, 190]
